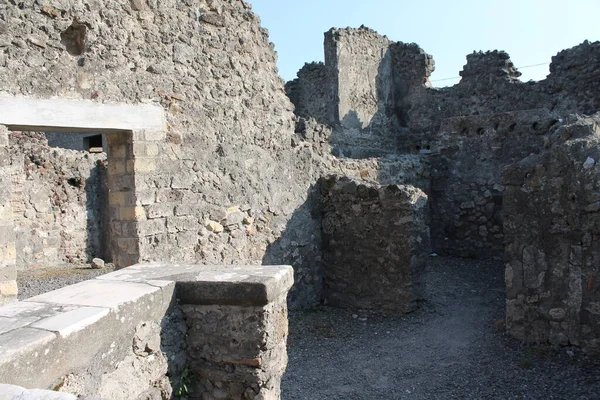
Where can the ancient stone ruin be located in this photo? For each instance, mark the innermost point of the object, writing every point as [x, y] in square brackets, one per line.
[206, 168]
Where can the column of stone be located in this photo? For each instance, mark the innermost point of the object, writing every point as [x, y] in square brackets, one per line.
[123, 214]
[151, 215]
[8, 271]
[237, 352]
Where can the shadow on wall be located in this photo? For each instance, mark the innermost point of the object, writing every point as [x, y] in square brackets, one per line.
[97, 219]
[300, 246]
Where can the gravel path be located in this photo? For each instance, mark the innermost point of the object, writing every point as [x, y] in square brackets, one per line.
[454, 347]
[42, 280]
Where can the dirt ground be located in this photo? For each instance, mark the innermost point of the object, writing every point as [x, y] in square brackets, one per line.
[41, 280]
[454, 347]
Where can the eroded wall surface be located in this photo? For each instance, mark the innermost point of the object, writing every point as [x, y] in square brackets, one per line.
[8, 252]
[552, 243]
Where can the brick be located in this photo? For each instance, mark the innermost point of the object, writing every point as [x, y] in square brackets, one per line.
[132, 213]
[8, 288]
[143, 165]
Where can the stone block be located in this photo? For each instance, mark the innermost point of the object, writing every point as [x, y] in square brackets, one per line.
[159, 210]
[375, 240]
[72, 321]
[182, 224]
[8, 288]
[93, 293]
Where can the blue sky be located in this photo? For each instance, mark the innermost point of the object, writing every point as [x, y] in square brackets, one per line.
[531, 31]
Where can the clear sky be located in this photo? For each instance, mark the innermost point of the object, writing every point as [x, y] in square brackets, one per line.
[531, 31]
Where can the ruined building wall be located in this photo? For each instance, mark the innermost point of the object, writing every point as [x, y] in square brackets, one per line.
[229, 182]
[552, 247]
[311, 93]
[59, 203]
[470, 131]
[358, 65]
[467, 190]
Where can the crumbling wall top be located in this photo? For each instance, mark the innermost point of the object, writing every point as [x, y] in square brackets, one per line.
[489, 65]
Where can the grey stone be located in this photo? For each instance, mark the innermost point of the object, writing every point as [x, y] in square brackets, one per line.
[97, 263]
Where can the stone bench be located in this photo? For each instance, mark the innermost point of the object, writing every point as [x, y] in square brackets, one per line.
[220, 330]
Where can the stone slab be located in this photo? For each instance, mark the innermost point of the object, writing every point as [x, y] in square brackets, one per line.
[71, 321]
[12, 392]
[22, 113]
[22, 341]
[9, 324]
[234, 285]
[97, 293]
[26, 309]
[214, 284]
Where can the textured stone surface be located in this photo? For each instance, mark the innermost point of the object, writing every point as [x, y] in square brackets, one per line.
[8, 271]
[124, 335]
[470, 131]
[59, 203]
[237, 352]
[551, 225]
[375, 243]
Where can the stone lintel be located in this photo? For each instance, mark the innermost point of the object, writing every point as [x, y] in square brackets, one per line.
[56, 115]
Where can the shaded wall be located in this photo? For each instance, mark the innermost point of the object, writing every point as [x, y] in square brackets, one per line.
[551, 224]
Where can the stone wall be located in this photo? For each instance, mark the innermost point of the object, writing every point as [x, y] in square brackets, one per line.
[222, 184]
[311, 94]
[147, 330]
[358, 67]
[375, 243]
[470, 130]
[552, 253]
[8, 272]
[59, 203]
[467, 162]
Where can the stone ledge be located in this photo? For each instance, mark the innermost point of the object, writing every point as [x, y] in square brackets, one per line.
[243, 285]
[70, 328]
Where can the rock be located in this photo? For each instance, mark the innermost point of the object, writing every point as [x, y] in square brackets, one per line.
[557, 313]
[234, 219]
[37, 41]
[97, 263]
[213, 19]
[138, 5]
[248, 221]
[589, 163]
[214, 226]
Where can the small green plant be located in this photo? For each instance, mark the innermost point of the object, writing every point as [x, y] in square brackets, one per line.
[183, 386]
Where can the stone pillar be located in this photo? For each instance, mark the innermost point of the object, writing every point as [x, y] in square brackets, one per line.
[123, 214]
[375, 240]
[237, 331]
[8, 271]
